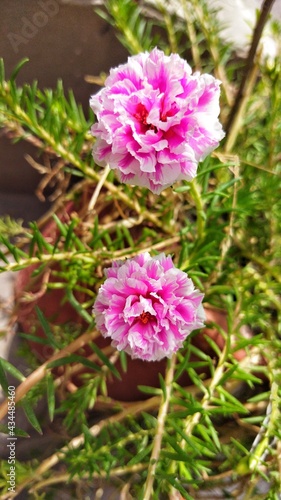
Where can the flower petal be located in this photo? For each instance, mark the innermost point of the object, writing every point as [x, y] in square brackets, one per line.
[152, 112]
[148, 306]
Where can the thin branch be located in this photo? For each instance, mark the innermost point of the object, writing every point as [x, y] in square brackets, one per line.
[219, 68]
[95, 430]
[200, 213]
[235, 125]
[87, 257]
[250, 62]
[96, 193]
[64, 478]
[163, 410]
[194, 419]
[192, 37]
[228, 240]
[41, 371]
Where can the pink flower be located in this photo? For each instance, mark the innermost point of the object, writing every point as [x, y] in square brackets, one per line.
[155, 120]
[148, 307]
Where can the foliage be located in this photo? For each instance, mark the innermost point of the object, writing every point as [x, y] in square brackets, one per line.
[222, 229]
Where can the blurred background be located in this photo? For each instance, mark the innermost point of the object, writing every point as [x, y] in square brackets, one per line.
[63, 40]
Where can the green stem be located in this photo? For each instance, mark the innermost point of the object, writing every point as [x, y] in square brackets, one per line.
[269, 430]
[163, 409]
[194, 419]
[192, 36]
[169, 27]
[201, 218]
[267, 266]
[48, 258]
[205, 19]
[87, 257]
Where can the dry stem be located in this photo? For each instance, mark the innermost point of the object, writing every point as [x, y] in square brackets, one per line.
[98, 188]
[248, 77]
[41, 371]
[159, 429]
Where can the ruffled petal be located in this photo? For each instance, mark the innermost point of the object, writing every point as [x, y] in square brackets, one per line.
[148, 307]
[153, 112]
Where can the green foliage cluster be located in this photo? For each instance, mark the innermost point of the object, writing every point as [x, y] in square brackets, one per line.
[223, 229]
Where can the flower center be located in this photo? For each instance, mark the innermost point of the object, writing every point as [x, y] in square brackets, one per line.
[141, 115]
[145, 317]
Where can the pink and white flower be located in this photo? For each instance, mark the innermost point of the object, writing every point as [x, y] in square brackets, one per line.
[148, 307]
[156, 120]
